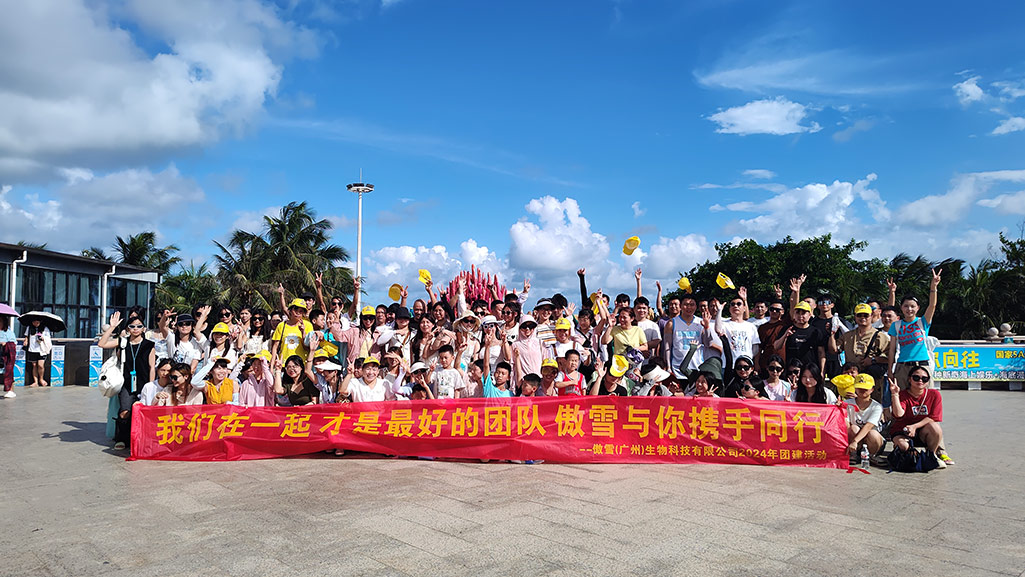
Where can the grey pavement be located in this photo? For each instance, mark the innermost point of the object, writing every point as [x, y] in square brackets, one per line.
[72, 506]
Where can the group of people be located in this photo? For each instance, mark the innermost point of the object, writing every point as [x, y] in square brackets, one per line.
[315, 350]
[37, 344]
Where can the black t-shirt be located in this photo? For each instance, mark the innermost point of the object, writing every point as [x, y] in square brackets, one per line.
[825, 326]
[620, 391]
[136, 358]
[803, 345]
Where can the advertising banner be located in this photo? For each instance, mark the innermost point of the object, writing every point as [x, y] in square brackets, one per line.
[19, 367]
[95, 362]
[57, 366]
[571, 429]
[970, 362]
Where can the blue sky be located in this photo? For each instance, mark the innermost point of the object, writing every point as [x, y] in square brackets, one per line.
[530, 138]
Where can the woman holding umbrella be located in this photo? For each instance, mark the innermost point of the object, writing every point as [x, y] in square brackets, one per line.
[38, 344]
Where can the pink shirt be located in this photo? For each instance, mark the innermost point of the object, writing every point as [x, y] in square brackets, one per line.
[256, 393]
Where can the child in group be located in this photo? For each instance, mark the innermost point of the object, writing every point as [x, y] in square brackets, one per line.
[549, 374]
[572, 379]
[499, 385]
[448, 382]
[529, 385]
[475, 374]
[863, 416]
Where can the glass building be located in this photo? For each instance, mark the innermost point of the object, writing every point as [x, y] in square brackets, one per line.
[82, 291]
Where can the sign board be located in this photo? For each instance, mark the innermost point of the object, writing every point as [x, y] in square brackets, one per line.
[57, 366]
[95, 362]
[983, 362]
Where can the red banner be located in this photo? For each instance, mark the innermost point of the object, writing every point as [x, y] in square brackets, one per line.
[555, 429]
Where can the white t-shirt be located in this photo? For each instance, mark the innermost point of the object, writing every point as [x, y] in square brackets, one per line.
[33, 342]
[758, 322]
[149, 392]
[187, 351]
[873, 414]
[363, 393]
[651, 331]
[779, 392]
[445, 382]
[742, 336]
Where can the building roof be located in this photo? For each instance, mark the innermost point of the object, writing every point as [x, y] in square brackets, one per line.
[74, 257]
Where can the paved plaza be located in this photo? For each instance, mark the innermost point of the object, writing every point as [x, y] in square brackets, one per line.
[72, 506]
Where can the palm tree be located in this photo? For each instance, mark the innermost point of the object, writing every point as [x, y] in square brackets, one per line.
[292, 249]
[189, 287]
[95, 252]
[26, 244]
[141, 250]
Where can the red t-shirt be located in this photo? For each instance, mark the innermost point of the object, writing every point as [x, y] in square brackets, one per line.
[930, 404]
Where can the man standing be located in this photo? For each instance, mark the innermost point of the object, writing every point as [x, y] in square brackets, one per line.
[741, 335]
[803, 341]
[682, 333]
[769, 332]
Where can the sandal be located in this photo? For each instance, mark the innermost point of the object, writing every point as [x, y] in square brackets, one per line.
[943, 456]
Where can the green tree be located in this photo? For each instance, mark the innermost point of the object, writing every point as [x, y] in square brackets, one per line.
[95, 252]
[292, 249]
[141, 250]
[188, 287]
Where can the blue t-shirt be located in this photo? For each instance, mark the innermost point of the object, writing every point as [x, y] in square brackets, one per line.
[491, 391]
[911, 338]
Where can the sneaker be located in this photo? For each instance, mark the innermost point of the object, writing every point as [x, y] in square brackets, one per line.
[944, 458]
[9, 395]
[119, 446]
[878, 460]
[939, 461]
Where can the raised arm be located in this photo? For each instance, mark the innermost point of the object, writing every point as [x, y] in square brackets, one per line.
[204, 313]
[795, 292]
[107, 340]
[354, 305]
[658, 299]
[637, 276]
[934, 285]
[318, 283]
[404, 294]
[281, 297]
[742, 293]
[892, 285]
[584, 298]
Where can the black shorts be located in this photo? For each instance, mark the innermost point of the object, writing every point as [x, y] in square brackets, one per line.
[31, 357]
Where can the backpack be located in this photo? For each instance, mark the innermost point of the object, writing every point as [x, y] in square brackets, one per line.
[913, 460]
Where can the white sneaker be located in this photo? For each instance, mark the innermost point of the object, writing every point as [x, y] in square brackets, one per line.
[9, 395]
[118, 446]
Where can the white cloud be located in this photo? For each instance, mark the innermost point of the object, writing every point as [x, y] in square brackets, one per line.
[562, 241]
[1010, 90]
[1013, 203]
[638, 211]
[773, 64]
[778, 116]
[846, 134]
[670, 256]
[811, 210]
[92, 212]
[956, 202]
[968, 91]
[1008, 125]
[81, 89]
[759, 173]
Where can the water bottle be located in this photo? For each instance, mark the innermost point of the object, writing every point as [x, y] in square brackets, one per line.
[234, 400]
[864, 457]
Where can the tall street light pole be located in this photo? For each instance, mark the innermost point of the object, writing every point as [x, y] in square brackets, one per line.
[360, 188]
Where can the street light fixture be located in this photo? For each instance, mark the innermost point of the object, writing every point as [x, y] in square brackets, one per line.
[360, 188]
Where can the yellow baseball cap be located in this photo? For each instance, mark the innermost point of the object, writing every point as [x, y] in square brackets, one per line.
[844, 384]
[863, 309]
[549, 363]
[724, 281]
[263, 354]
[619, 366]
[424, 275]
[631, 245]
[298, 303]
[330, 348]
[221, 328]
[563, 324]
[368, 311]
[802, 306]
[865, 381]
[371, 360]
[395, 292]
[320, 354]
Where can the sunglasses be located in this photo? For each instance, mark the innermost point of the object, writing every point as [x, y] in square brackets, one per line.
[223, 315]
[919, 378]
[177, 377]
[776, 309]
[185, 324]
[862, 315]
[743, 367]
[748, 388]
[258, 319]
[794, 372]
[825, 302]
[775, 368]
[737, 304]
[136, 326]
